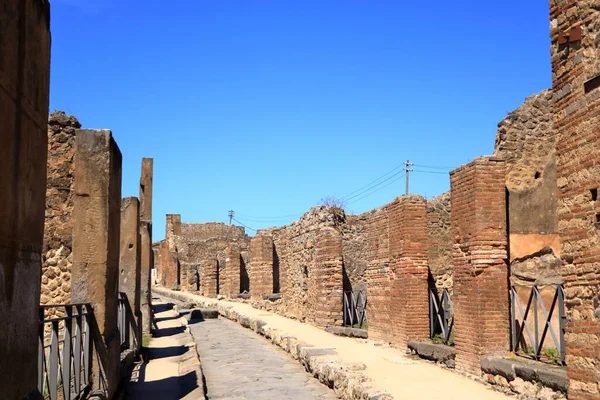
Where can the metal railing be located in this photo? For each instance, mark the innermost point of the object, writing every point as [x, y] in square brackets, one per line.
[127, 325]
[355, 309]
[441, 315]
[532, 344]
[64, 351]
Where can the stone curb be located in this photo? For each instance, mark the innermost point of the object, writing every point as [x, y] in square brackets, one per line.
[554, 378]
[345, 379]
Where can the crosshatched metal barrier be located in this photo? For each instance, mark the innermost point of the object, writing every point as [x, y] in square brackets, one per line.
[527, 320]
[64, 370]
[355, 309]
[441, 314]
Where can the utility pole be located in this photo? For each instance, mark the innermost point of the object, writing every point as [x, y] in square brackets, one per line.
[230, 213]
[407, 170]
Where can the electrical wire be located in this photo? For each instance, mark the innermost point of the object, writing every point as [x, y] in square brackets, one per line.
[245, 226]
[372, 182]
[375, 191]
[434, 167]
[374, 186]
[265, 219]
[430, 172]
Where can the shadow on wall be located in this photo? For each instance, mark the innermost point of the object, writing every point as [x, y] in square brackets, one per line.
[276, 285]
[244, 277]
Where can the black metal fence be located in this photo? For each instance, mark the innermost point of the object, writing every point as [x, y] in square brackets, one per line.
[64, 370]
[355, 309]
[531, 325]
[441, 315]
[127, 324]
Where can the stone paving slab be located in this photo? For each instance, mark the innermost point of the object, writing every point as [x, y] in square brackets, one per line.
[238, 364]
[354, 368]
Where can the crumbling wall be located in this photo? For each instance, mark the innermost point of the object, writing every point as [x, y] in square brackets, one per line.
[439, 240]
[526, 140]
[58, 225]
[294, 247]
[199, 242]
[355, 246]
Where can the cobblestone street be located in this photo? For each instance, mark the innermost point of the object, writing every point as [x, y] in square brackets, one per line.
[238, 364]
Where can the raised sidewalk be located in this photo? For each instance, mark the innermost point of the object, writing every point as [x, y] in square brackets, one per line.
[353, 368]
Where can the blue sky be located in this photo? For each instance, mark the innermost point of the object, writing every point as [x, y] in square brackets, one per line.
[267, 106]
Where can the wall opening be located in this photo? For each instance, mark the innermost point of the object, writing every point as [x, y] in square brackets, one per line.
[594, 193]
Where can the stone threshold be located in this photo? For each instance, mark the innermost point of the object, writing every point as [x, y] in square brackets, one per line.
[344, 379]
[440, 353]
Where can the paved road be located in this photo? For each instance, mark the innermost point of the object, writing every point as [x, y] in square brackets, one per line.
[238, 364]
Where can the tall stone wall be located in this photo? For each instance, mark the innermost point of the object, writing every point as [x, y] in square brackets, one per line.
[24, 92]
[526, 141]
[576, 87]
[439, 240]
[355, 247]
[58, 226]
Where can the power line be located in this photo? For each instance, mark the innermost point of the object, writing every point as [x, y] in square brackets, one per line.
[374, 186]
[431, 172]
[433, 167]
[372, 182]
[268, 220]
[245, 226]
[375, 191]
[250, 217]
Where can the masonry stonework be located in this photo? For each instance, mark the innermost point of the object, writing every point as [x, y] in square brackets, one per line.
[439, 240]
[407, 235]
[96, 236]
[146, 252]
[209, 278]
[58, 227]
[480, 254]
[261, 265]
[233, 272]
[328, 276]
[378, 275]
[24, 89]
[576, 71]
[130, 259]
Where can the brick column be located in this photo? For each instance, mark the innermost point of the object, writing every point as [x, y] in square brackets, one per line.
[378, 276]
[575, 62]
[407, 232]
[209, 278]
[232, 270]
[129, 260]
[96, 231]
[261, 265]
[24, 86]
[171, 270]
[480, 272]
[147, 259]
[328, 277]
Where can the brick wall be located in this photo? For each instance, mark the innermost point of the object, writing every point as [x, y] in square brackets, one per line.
[167, 268]
[480, 271]
[209, 278]
[328, 276]
[575, 68]
[407, 235]
[261, 265]
[378, 275]
[233, 272]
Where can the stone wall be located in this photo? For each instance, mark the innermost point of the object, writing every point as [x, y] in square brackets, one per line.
[58, 226]
[576, 87]
[439, 240]
[24, 95]
[355, 247]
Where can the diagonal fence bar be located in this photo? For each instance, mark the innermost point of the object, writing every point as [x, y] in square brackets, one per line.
[441, 315]
[355, 309]
[526, 337]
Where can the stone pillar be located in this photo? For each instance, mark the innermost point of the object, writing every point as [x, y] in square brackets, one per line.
[96, 225]
[261, 265]
[24, 86]
[233, 271]
[378, 276]
[209, 278]
[147, 259]
[407, 233]
[129, 260]
[481, 319]
[328, 276]
[576, 78]
[170, 261]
